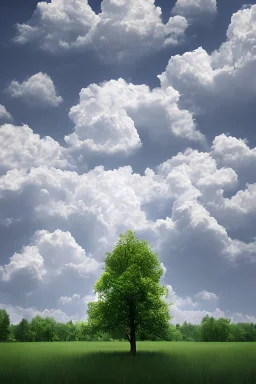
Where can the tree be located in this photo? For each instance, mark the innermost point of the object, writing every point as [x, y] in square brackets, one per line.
[190, 332]
[61, 331]
[44, 328]
[49, 328]
[236, 333]
[248, 331]
[130, 297]
[37, 326]
[223, 329]
[215, 330]
[175, 333]
[208, 328]
[4, 325]
[12, 330]
[22, 331]
[71, 331]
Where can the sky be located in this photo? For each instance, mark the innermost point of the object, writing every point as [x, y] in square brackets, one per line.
[127, 114]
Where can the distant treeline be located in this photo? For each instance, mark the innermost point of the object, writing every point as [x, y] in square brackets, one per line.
[48, 329]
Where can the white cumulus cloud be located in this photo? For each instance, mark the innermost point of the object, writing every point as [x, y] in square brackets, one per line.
[37, 90]
[206, 81]
[17, 313]
[4, 114]
[110, 116]
[124, 30]
[185, 309]
[21, 148]
[53, 263]
[207, 296]
[93, 208]
[234, 152]
[195, 9]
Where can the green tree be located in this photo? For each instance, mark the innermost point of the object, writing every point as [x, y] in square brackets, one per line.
[4, 325]
[208, 328]
[37, 326]
[71, 331]
[175, 333]
[12, 330]
[215, 330]
[43, 328]
[248, 331]
[23, 332]
[130, 297]
[49, 328]
[83, 331]
[223, 329]
[190, 332]
[236, 333]
[61, 331]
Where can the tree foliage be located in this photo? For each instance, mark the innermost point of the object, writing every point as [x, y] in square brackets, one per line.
[83, 331]
[23, 331]
[130, 297]
[215, 330]
[190, 332]
[4, 325]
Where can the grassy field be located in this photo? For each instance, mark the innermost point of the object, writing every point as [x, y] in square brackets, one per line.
[109, 362]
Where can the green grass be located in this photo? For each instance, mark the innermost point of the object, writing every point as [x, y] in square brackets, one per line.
[109, 362]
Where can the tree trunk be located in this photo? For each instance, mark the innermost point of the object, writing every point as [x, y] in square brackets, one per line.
[133, 338]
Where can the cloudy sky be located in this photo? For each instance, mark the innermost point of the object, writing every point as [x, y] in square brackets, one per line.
[120, 114]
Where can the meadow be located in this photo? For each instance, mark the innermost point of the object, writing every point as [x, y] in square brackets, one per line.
[110, 362]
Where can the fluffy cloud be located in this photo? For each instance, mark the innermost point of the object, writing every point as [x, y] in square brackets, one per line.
[53, 263]
[123, 30]
[192, 229]
[197, 172]
[207, 81]
[37, 90]
[127, 30]
[192, 316]
[102, 122]
[77, 307]
[179, 301]
[208, 296]
[67, 300]
[109, 115]
[108, 203]
[104, 195]
[18, 313]
[105, 199]
[241, 318]
[233, 152]
[54, 199]
[195, 9]
[4, 114]
[185, 177]
[239, 49]
[184, 309]
[21, 148]
[237, 213]
[56, 224]
[50, 255]
[58, 23]
[242, 202]
[77, 304]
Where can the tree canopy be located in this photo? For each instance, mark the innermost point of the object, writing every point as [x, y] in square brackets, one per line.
[130, 296]
[4, 325]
